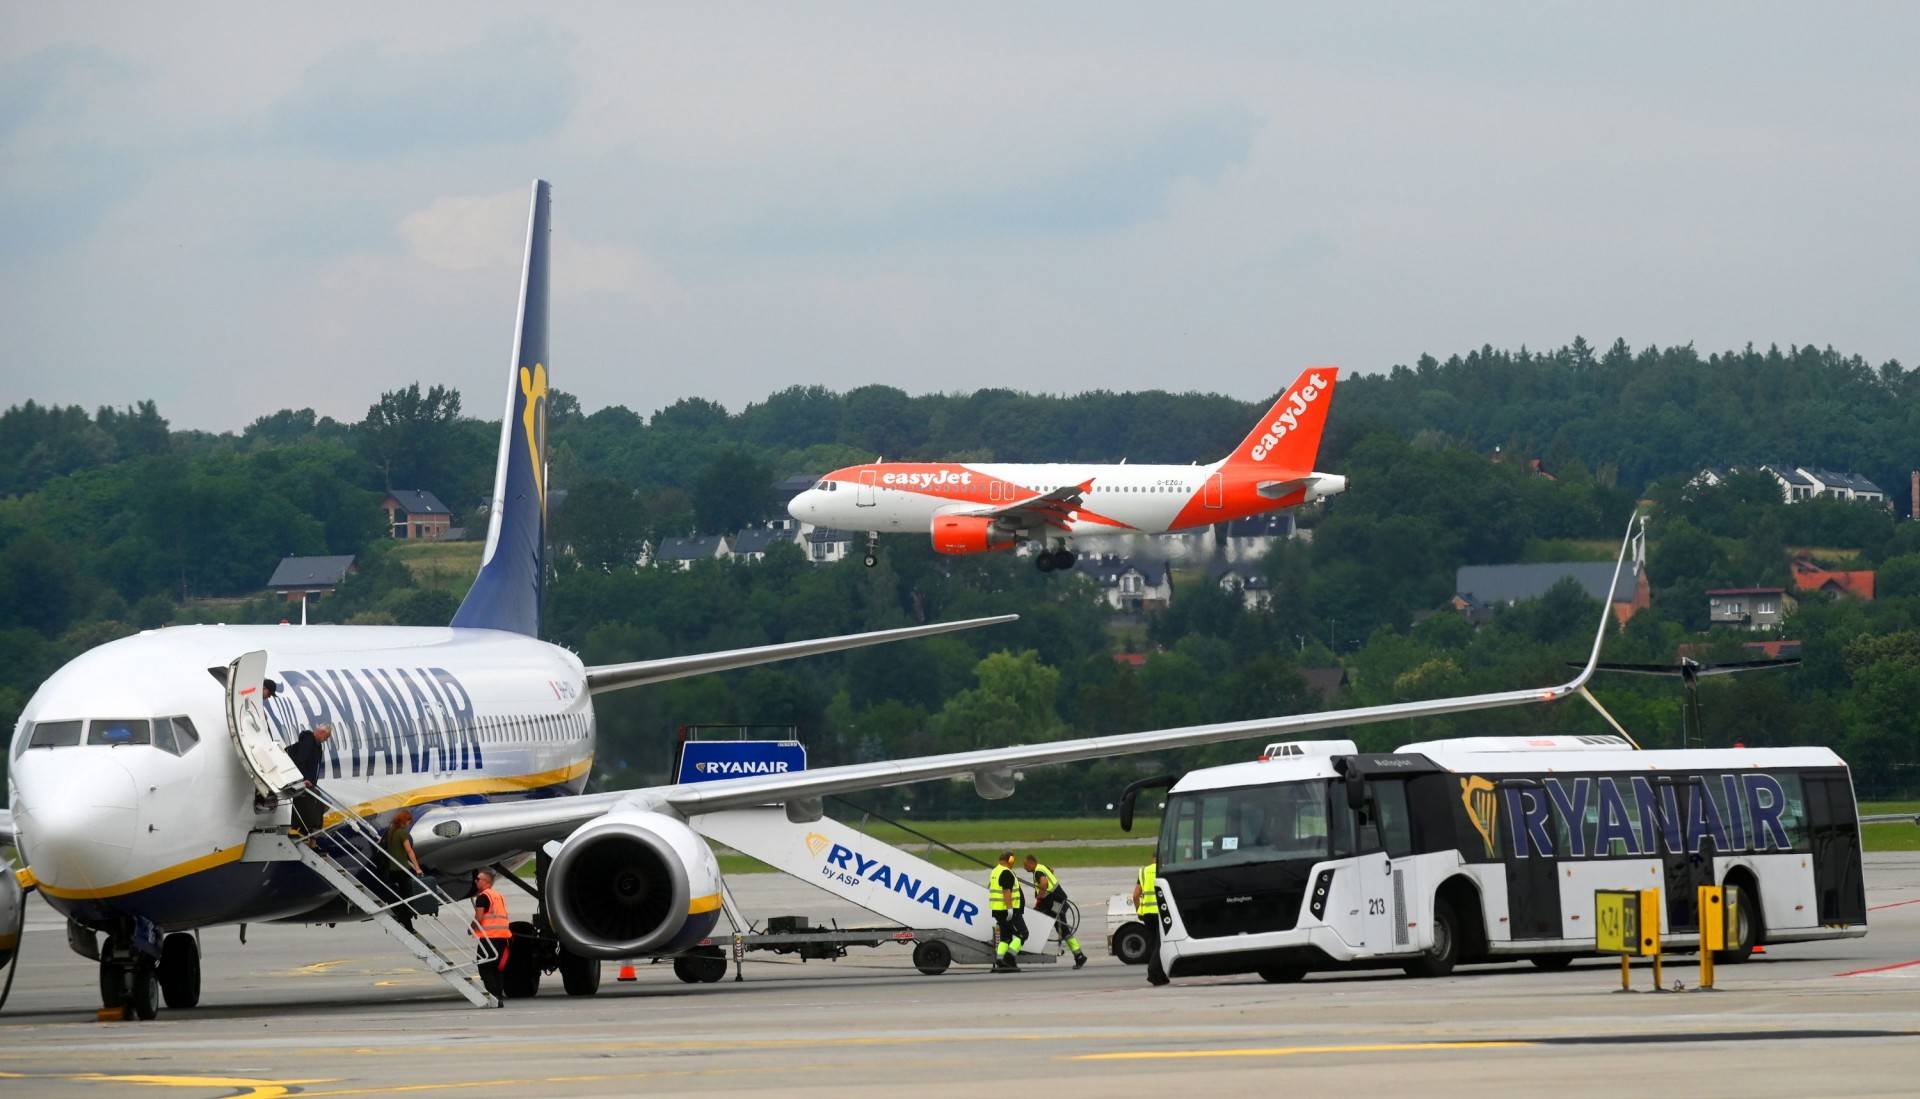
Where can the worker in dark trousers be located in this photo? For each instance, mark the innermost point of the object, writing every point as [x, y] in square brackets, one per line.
[1008, 902]
[308, 754]
[490, 927]
[1050, 900]
[1146, 902]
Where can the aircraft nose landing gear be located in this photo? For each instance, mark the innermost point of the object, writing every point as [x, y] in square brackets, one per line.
[873, 548]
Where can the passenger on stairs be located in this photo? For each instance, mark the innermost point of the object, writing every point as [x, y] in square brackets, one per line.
[490, 927]
[398, 841]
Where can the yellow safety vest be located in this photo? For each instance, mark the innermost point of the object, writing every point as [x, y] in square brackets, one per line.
[1053, 879]
[1149, 897]
[997, 903]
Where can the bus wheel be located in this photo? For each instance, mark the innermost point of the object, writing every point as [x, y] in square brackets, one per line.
[1439, 959]
[1747, 928]
[1551, 962]
[1130, 944]
[1282, 974]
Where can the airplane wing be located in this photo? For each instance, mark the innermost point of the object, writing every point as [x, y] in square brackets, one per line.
[1046, 509]
[613, 677]
[465, 833]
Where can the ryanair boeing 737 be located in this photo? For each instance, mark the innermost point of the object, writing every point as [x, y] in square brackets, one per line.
[139, 781]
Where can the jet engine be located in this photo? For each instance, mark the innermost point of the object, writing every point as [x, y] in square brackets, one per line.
[632, 882]
[957, 534]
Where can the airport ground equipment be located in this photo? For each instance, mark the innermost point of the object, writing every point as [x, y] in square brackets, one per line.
[1491, 848]
[347, 853]
[1126, 935]
[1627, 922]
[945, 914]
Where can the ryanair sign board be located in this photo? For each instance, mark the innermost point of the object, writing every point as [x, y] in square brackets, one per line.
[856, 867]
[706, 760]
[1601, 816]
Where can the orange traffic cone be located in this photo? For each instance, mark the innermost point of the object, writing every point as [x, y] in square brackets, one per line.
[1758, 949]
[627, 973]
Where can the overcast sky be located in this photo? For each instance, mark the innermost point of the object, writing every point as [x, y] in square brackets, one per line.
[242, 207]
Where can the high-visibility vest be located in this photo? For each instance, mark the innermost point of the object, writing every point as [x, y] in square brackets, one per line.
[492, 924]
[996, 902]
[1053, 879]
[1149, 898]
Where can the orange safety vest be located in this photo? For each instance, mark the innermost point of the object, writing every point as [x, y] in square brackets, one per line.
[492, 924]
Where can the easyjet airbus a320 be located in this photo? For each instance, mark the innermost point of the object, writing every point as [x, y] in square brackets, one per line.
[980, 508]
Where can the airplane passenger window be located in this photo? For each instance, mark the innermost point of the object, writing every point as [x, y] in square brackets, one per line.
[118, 731]
[184, 734]
[55, 734]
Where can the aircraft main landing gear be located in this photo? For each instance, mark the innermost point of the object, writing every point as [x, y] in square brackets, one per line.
[1055, 560]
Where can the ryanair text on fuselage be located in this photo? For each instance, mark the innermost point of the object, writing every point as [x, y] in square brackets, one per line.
[386, 721]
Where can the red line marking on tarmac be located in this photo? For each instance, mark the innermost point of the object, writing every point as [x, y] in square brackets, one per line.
[1894, 904]
[1878, 968]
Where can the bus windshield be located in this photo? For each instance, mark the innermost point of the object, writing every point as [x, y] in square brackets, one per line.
[1246, 824]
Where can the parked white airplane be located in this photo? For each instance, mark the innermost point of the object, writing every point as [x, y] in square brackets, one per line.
[135, 774]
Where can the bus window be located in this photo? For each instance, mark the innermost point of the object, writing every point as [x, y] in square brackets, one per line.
[1794, 818]
[1246, 824]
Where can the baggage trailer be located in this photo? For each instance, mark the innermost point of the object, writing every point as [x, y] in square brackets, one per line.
[934, 950]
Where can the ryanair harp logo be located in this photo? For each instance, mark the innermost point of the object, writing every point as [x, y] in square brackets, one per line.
[1483, 809]
[533, 417]
[816, 842]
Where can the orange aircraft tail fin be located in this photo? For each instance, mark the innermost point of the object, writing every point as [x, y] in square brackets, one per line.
[1287, 440]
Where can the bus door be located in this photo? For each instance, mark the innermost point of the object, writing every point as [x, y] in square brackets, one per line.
[1385, 832]
[1533, 877]
[1683, 873]
[1840, 894]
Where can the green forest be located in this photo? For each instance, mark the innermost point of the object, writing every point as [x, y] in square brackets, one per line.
[112, 522]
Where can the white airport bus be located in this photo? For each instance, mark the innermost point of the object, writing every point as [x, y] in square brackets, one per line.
[1319, 856]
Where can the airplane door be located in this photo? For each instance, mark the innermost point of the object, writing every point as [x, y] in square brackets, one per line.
[262, 755]
[864, 496]
[1216, 493]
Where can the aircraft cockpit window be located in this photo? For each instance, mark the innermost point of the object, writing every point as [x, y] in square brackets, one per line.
[55, 734]
[185, 735]
[118, 731]
[163, 736]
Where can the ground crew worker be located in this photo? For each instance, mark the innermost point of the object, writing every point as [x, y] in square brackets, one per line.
[1050, 900]
[490, 927]
[398, 842]
[1146, 902]
[1007, 902]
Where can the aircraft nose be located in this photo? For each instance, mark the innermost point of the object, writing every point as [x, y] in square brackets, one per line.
[80, 828]
[804, 504]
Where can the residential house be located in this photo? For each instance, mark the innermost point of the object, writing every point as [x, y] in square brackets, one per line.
[1129, 584]
[299, 578]
[1749, 608]
[681, 553]
[752, 543]
[416, 514]
[1325, 683]
[1244, 580]
[1481, 589]
[1799, 483]
[825, 546]
[1841, 584]
[1249, 539]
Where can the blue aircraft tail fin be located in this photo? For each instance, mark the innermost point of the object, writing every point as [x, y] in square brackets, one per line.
[506, 593]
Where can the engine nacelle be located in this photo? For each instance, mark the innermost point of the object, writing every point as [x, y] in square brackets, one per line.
[633, 882]
[956, 534]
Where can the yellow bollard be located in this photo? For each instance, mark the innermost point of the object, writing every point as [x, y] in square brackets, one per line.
[1650, 931]
[1713, 930]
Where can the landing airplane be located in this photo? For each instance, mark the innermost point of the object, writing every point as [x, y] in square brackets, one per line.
[984, 507]
[136, 780]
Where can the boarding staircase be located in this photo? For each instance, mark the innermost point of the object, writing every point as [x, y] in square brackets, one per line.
[348, 855]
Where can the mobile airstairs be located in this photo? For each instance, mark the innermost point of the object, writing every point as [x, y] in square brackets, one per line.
[348, 856]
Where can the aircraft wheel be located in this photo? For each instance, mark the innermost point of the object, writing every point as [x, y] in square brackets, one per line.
[180, 970]
[522, 976]
[1066, 559]
[932, 957]
[871, 560]
[143, 992]
[580, 976]
[113, 985]
[1043, 561]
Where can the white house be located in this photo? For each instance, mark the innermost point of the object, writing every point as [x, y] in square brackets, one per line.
[825, 546]
[1128, 584]
[1245, 581]
[681, 553]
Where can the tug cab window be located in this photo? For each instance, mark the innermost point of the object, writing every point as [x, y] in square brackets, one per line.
[118, 731]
